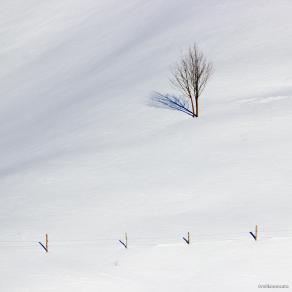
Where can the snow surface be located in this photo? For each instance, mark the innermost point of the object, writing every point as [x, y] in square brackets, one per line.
[85, 154]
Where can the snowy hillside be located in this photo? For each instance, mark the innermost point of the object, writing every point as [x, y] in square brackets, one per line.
[85, 154]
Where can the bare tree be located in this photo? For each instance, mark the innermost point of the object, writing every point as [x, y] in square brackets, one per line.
[191, 75]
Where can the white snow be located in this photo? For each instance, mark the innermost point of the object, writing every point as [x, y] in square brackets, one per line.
[86, 156]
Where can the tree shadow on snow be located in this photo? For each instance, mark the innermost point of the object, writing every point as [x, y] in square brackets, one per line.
[167, 101]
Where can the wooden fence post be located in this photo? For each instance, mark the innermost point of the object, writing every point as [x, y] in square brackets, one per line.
[47, 243]
[188, 239]
[126, 237]
[125, 244]
[257, 233]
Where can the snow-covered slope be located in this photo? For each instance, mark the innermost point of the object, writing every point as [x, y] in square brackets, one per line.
[85, 155]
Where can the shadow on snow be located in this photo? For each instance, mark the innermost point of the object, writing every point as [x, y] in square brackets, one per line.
[167, 101]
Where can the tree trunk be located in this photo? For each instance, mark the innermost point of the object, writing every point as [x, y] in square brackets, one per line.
[197, 107]
[193, 108]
